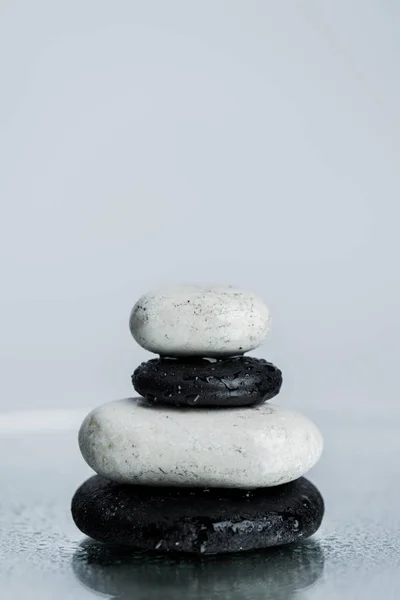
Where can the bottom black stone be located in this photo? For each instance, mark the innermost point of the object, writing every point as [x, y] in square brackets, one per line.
[197, 521]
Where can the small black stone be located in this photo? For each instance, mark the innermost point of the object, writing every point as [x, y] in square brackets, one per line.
[194, 520]
[197, 382]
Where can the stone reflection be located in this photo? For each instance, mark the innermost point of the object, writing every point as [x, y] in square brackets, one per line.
[271, 574]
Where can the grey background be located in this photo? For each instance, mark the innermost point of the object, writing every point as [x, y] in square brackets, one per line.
[251, 142]
[254, 143]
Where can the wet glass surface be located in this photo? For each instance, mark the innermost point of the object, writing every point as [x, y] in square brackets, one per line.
[356, 553]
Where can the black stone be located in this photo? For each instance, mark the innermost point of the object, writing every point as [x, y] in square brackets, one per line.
[194, 520]
[273, 573]
[197, 382]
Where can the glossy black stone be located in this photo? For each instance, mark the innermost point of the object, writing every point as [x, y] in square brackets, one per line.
[197, 382]
[197, 521]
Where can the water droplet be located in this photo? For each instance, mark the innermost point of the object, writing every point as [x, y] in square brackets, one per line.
[192, 398]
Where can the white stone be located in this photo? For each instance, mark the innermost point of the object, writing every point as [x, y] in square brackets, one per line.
[129, 442]
[198, 320]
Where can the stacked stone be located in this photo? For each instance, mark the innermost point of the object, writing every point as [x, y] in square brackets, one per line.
[199, 463]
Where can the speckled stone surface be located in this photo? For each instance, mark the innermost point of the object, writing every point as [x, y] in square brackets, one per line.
[187, 320]
[130, 442]
[238, 381]
[197, 521]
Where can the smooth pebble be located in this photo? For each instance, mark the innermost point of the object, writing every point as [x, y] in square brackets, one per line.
[197, 382]
[197, 521]
[193, 320]
[128, 441]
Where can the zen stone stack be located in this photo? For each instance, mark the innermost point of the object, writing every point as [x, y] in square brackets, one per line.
[199, 462]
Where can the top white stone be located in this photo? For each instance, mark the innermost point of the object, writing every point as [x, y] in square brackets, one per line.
[196, 320]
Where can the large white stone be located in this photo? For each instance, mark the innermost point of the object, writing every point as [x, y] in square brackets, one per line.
[129, 442]
[199, 320]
